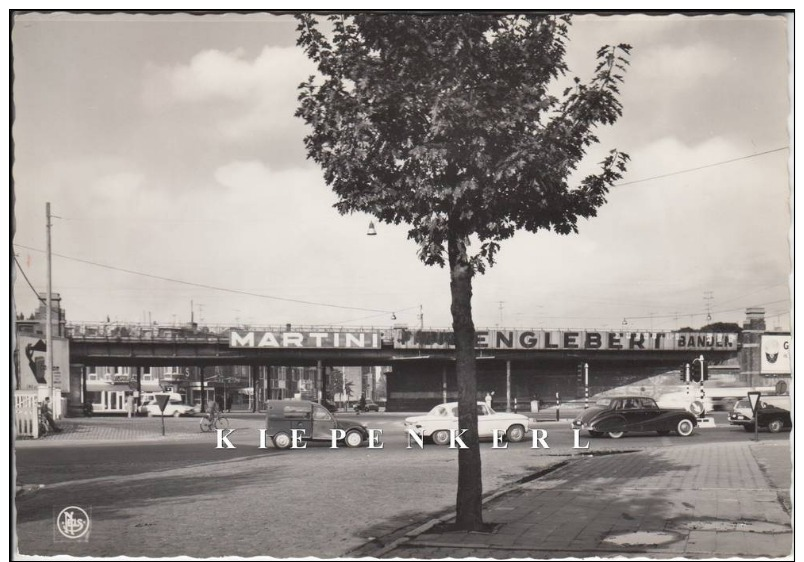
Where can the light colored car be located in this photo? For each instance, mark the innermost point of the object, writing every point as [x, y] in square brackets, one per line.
[173, 408]
[437, 423]
[690, 402]
[742, 414]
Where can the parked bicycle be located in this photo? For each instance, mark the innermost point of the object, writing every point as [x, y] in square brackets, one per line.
[217, 422]
[44, 427]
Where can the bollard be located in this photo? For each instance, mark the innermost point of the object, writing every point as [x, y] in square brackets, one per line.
[515, 405]
[558, 405]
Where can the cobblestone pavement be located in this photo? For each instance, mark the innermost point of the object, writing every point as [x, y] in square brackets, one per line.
[139, 428]
[701, 501]
[286, 504]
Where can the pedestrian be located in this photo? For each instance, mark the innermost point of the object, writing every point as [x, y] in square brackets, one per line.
[361, 406]
[488, 398]
[130, 405]
[229, 403]
[48, 415]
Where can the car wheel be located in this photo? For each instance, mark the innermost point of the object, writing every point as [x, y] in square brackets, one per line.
[515, 433]
[150, 413]
[775, 425]
[616, 434]
[354, 438]
[663, 432]
[176, 414]
[281, 440]
[748, 427]
[593, 433]
[685, 427]
[441, 437]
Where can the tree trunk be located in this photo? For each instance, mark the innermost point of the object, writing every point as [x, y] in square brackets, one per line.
[469, 506]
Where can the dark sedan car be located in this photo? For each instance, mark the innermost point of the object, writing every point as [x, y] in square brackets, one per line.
[620, 415]
[771, 417]
[370, 406]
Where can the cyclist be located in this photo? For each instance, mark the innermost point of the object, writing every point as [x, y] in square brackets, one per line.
[214, 411]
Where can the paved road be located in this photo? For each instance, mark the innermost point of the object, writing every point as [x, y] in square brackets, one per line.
[171, 498]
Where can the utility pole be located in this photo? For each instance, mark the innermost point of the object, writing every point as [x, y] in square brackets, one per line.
[49, 312]
[708, 297]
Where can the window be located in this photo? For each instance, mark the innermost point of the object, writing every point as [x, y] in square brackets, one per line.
[649, 404]
[321, 414]
[296, 413]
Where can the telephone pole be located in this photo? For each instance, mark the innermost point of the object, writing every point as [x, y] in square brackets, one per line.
[49, 312]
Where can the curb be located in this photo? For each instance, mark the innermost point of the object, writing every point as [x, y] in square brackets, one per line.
[429, 524]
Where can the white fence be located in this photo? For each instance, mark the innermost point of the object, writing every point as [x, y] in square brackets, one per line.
[26, 413]
[26, 410]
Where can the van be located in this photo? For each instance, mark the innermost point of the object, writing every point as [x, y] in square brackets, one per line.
[312, 422]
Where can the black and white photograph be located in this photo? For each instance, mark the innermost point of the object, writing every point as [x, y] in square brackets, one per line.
[429, 284]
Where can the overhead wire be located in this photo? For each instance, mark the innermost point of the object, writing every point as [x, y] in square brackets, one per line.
[210, 287]
[19, 267]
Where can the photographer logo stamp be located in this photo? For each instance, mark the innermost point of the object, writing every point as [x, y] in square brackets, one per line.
[73, 523]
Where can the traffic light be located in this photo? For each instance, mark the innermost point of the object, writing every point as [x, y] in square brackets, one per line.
[579, 372]
[699, 371]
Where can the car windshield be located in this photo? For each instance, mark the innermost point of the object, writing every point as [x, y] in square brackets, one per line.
[745, 403]
[603, 402]
[439, 410]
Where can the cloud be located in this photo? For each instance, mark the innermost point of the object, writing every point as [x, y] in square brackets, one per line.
[243, 98]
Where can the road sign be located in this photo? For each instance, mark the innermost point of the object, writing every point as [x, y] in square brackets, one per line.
[753, 398]
[162, 400]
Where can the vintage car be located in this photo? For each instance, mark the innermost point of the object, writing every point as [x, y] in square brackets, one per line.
[773, 418]
[742, 414]
[371, 406]
[175, 407]
[283, 416]
[773, 413]
[619, 415]
[437, 423]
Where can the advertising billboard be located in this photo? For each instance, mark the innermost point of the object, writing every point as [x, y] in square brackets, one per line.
[31, 363]
[775, 358]
[572, 340]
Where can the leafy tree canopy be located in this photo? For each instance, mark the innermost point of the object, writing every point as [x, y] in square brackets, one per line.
[448, 123]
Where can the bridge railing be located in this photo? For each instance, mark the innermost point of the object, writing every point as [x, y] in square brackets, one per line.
[203, 333]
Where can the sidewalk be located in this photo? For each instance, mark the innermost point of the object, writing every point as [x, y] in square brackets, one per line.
[707, 501]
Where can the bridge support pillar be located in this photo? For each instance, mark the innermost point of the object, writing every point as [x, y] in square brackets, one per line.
[444, 384]
[84, 393]
[139, 386]
[203, 390]
[252, 382]
[319, 381]
[508, 385]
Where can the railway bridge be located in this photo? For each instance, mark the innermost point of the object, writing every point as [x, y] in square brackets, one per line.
[516, 364]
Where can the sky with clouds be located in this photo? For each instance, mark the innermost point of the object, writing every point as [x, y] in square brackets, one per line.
[168, 149]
